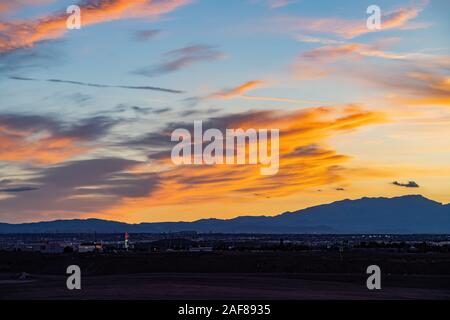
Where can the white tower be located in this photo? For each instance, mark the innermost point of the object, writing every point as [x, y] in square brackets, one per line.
[126, 241]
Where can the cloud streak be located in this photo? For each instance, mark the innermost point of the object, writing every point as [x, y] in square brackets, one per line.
[46, 140]
[346, 28]
[20, 34]
[18, 189]
[182, 58]
[410, 78]
[96, 85]
[9, 6]
[238, 92]
[143, 35]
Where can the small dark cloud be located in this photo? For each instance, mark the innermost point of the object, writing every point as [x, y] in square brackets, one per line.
[90, 128]
[84, 129]
[149, 110]
[27, 122]
[96, 85]
[307, 151]
[18, 189]
[141, 110]
[261, 195]
[143, 35]
[22, 78]
[410, 184]
[192, 112]
[181, 58]
[191, 102]
[152, 139]
[187, 113]
[162, 110]
[340, 189]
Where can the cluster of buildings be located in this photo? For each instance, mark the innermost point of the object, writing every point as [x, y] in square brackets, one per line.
[192, 242]
[62, 246]
[53, 247]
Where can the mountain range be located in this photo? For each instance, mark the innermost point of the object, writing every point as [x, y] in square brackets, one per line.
[400, 215]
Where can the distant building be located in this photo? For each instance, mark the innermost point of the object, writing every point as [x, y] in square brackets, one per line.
[200, 249]
[52, 247]
[190, 235]
[90, 247]
[44, 247]
[171, 245]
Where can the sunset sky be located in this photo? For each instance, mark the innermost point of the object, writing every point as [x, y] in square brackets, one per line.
[86, 115]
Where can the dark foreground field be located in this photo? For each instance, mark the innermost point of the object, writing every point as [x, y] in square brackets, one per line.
[225, 275]
[224, 286]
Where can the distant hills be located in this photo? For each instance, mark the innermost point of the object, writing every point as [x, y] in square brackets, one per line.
[400, 215]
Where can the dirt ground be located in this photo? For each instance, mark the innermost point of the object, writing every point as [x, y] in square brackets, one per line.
[224, 286]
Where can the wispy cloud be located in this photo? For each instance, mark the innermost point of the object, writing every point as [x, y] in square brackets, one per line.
[418, 79]
[25, 33]
[143, 35]
[275, 4]
[96, 85]
[409, 78]
[319, 62]
[18, 189]
[346, 28]
[238, 92]
[301, 166]
[104, 187]
[182, 58]
[8, 6]
[76, 187]
[44, 140]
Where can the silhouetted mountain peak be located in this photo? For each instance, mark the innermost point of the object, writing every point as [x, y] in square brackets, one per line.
[404, 214]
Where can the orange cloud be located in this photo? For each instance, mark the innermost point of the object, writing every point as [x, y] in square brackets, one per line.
[423, 88]
[409, 84]
[348, 29]
[43, 151]
[44, 140]
[305, 161]
[13, 5]
[415, 78]
[19, 34]
[239, 93]
[239, 90]
[318, 62]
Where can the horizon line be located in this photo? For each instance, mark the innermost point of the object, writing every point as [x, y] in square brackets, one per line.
[239, 216]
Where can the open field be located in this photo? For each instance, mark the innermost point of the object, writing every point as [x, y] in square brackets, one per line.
[350, 262]
[226, 275]
[225, 286]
